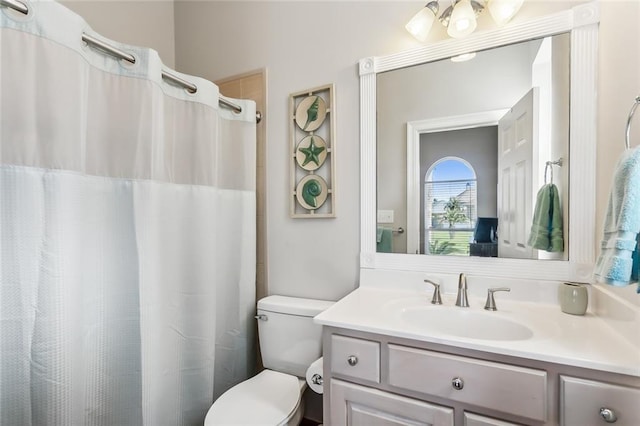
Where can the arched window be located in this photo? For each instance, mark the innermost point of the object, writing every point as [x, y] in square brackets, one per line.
[450, 207]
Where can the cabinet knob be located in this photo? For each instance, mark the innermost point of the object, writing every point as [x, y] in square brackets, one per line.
[352, 360]
[457, 383]
[608, 415]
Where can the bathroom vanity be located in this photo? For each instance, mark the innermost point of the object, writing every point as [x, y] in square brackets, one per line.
[384, 368]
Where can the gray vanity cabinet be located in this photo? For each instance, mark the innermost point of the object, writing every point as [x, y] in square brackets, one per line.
[379, 380]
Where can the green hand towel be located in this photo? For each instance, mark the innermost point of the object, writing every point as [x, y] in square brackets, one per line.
[384, 245]
[546, 229]
[556, 236]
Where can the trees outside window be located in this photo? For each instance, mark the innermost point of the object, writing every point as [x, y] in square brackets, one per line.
[453, 214]
[450, 213]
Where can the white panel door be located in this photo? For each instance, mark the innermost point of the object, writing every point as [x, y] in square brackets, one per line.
[517, 152]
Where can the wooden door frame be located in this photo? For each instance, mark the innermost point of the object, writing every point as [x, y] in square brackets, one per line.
[414, 180]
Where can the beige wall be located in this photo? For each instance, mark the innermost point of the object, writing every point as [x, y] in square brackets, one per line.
[303, 45]
[141, 23]
[306, 44]
[618, 85]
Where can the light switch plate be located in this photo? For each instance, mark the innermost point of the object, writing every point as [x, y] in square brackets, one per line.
[385, 216]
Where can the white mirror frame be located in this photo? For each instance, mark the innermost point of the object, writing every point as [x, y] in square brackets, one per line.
[582, 21]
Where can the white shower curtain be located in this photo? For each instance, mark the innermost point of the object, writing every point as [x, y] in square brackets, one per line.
[127, 229]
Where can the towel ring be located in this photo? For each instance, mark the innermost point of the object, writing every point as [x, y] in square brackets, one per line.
[546, 169]
[627, 142]
[549, 166]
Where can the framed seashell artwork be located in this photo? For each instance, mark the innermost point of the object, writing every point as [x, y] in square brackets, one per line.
[311, 192]
[312, 151]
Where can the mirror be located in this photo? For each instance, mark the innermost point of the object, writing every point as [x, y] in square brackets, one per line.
[473, 138]
[580, 25]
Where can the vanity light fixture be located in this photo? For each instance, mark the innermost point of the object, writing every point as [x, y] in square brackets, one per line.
[503, 10]
[463, 20]
[460, 16]
[463, 57]
[420, 25]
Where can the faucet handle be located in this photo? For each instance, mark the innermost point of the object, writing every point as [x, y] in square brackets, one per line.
[490, 304]
[436, 299]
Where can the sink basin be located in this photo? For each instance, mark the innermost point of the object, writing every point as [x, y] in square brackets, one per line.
[462, 322]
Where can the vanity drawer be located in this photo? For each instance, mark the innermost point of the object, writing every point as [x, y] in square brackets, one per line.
[509, 389]
[355, 358]
[581, 401]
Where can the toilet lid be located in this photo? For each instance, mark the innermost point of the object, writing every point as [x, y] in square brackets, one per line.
[266, 399]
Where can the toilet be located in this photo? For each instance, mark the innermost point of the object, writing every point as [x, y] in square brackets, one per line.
[289, 343]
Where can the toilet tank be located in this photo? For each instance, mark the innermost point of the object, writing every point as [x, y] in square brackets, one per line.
[289, 340]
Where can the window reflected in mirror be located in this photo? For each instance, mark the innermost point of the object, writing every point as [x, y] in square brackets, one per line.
[450, 207]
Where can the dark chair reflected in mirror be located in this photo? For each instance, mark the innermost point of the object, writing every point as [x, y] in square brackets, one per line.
[485, 238]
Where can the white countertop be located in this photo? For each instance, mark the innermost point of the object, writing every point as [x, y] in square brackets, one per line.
[582, 341]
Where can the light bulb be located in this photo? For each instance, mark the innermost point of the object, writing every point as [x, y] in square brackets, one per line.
[463, 20]
[503, 10]
[420, 25]
[463, 57]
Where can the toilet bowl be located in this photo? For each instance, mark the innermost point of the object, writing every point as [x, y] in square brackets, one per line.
[289, 343]
[269, 398]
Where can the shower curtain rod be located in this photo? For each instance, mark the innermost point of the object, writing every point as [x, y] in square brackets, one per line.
[15, 5]
[166, 75]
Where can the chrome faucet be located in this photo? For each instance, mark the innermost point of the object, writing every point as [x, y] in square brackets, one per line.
[436, 299]
[461, 299]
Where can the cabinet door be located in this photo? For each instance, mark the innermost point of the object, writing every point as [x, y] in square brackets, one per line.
[356, 405]
[471, 419]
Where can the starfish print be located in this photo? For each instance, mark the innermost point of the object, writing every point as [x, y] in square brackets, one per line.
[311, 153]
